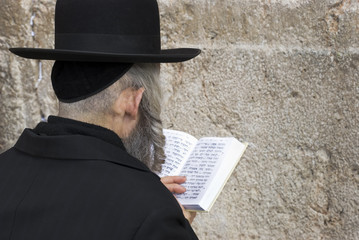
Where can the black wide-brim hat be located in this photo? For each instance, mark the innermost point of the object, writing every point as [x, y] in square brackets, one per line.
[108, 31]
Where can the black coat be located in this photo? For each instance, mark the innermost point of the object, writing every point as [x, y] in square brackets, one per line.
[76, 186]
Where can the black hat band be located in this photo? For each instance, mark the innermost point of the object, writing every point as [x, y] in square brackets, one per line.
[134, 44]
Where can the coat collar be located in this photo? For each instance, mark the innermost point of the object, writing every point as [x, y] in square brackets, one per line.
[56, 126]
[75, 147]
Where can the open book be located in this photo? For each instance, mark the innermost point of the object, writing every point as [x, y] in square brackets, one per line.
[207, 163]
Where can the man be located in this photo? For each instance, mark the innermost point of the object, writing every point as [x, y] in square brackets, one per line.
[85, 174]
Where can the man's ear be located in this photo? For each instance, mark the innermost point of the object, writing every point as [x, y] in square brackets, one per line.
[127, 104]
[137, 97]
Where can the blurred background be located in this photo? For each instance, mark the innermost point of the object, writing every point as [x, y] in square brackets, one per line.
[282, 75]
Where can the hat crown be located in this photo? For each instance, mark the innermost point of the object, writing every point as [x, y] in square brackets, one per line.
[108, 26]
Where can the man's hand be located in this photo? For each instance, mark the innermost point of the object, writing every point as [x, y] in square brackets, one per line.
[173, 184]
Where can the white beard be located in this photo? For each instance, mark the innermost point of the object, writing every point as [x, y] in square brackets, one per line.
[140, 144]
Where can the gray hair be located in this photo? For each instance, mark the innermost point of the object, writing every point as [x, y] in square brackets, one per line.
[147, 140]
[150, 125]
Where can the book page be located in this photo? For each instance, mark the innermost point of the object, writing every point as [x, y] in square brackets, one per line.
[201, 167]
[232, 153]
[178, 147]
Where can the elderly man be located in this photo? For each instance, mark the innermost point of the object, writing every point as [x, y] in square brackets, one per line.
[89, 172]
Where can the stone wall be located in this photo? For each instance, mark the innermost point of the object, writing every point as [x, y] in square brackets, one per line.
[282, 75]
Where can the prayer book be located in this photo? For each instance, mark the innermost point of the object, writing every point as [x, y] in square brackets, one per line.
[207, 163]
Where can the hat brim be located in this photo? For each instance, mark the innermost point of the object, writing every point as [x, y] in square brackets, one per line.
[165, 56]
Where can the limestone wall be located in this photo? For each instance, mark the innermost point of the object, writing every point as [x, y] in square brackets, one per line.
[282, 75]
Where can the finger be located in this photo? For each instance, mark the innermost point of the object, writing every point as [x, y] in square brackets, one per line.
[173, 179]
[175, 188]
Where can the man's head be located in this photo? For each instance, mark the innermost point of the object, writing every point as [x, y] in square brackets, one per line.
[131, 107]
